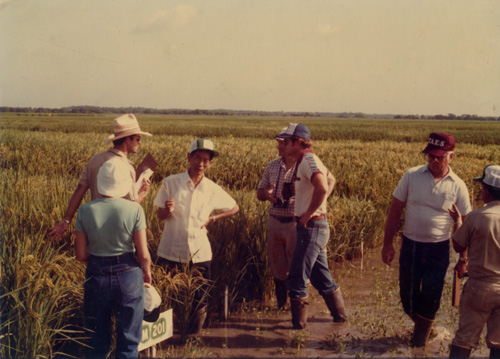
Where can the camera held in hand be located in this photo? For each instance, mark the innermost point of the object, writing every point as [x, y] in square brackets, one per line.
[287, 192]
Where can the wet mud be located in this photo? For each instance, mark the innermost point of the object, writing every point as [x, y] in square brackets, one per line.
[376, 328]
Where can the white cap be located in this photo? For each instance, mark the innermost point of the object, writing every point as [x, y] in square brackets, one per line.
[152, 302]
[113, 178]
[491, 176]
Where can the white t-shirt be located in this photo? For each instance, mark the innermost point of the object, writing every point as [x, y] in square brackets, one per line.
[309, 166]
[427, 202]
[182, 236]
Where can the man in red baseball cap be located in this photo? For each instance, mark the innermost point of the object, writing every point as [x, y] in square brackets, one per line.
[427, 192]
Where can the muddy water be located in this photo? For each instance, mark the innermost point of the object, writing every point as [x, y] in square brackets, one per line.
[377, 326]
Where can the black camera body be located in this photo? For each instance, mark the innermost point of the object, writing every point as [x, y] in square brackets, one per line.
[287, 192]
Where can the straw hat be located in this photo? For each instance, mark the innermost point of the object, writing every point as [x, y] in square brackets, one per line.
[113, 178]
[125, 125]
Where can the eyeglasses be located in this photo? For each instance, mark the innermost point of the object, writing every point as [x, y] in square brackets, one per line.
[431, 158]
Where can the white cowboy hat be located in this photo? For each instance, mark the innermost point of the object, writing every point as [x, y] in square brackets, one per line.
[125, 125]
[113, 178]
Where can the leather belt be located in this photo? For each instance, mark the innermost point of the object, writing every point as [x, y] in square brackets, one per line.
[283, 219]
[313, 218]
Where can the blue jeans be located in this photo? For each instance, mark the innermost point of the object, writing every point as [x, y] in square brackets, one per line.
[422, 268]
[309, 261]
[114, 286]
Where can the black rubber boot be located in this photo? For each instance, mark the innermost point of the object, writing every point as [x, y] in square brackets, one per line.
[421, 332]
[299, 313]
[494, 353]
[198, 320]
[281, 293]
[459, 352]
[335, 304]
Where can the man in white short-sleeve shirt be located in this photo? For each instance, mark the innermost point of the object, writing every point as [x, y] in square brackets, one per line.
[427, 192]
[186, 201]
[313, 184]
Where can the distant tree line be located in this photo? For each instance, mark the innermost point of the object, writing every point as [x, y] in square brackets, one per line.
[222, 112]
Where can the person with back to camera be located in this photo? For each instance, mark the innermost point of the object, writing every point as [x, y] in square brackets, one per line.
[276, 187]
[111, 238]
[126, 140]
[480, 237]
[427, 192]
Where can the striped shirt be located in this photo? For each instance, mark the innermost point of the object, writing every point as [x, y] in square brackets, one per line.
[276, 173]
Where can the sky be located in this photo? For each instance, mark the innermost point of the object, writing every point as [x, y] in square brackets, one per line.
[423, 57]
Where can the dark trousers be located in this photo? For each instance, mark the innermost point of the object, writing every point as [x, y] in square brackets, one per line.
[201, 295]
[422, 268]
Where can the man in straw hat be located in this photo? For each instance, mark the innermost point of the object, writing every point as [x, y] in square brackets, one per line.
[275, 187]
[126, 139]
[186, 201]
[111, 238]
[480, 302]
[313, 184]
[427, 192]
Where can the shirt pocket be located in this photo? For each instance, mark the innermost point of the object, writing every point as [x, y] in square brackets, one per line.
[447, 200]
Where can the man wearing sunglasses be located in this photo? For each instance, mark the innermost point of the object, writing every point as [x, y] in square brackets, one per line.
[126, 140]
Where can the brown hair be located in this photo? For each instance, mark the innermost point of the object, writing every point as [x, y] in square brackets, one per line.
[304, 143]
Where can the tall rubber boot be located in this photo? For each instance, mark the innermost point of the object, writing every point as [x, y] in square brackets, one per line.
[299, 313]
[421, 331]
[459, 352]
[494, 353]
[335, 304]
[199, 317]
[280, 291]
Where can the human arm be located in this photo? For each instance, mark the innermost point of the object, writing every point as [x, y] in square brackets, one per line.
[58, 230]
[143, 192]
[458, 219]
[266, 194]
[81, 247]
[222, 215]
[391, 227]
[143, 256]
[331, 183]
[320, 192]
[164, 213]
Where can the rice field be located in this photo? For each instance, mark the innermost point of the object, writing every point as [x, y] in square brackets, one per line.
[42, 156]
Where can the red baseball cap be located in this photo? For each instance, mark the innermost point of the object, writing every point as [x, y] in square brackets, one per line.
[439, 144]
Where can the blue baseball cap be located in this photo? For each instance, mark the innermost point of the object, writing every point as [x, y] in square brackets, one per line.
[297, 130]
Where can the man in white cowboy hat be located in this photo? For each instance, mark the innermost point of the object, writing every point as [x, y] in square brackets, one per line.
[480, 302]
[186, 202]
[126, 139]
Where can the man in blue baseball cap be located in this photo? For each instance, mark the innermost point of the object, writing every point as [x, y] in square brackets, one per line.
[313, 184]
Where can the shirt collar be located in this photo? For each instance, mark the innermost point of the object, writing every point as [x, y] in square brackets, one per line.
[451, 174]
[187, 179]
[121, 154]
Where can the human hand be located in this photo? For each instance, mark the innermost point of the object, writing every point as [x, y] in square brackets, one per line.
[56, 233]
[146, 276]
[169, 206]
[269, 194]
[388, 254]
[461, 268]
[455, 213]
[210, 220]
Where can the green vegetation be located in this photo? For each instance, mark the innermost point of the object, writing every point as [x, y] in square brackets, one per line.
[41, 158]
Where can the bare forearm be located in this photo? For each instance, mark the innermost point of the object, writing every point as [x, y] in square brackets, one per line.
[75, 201]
